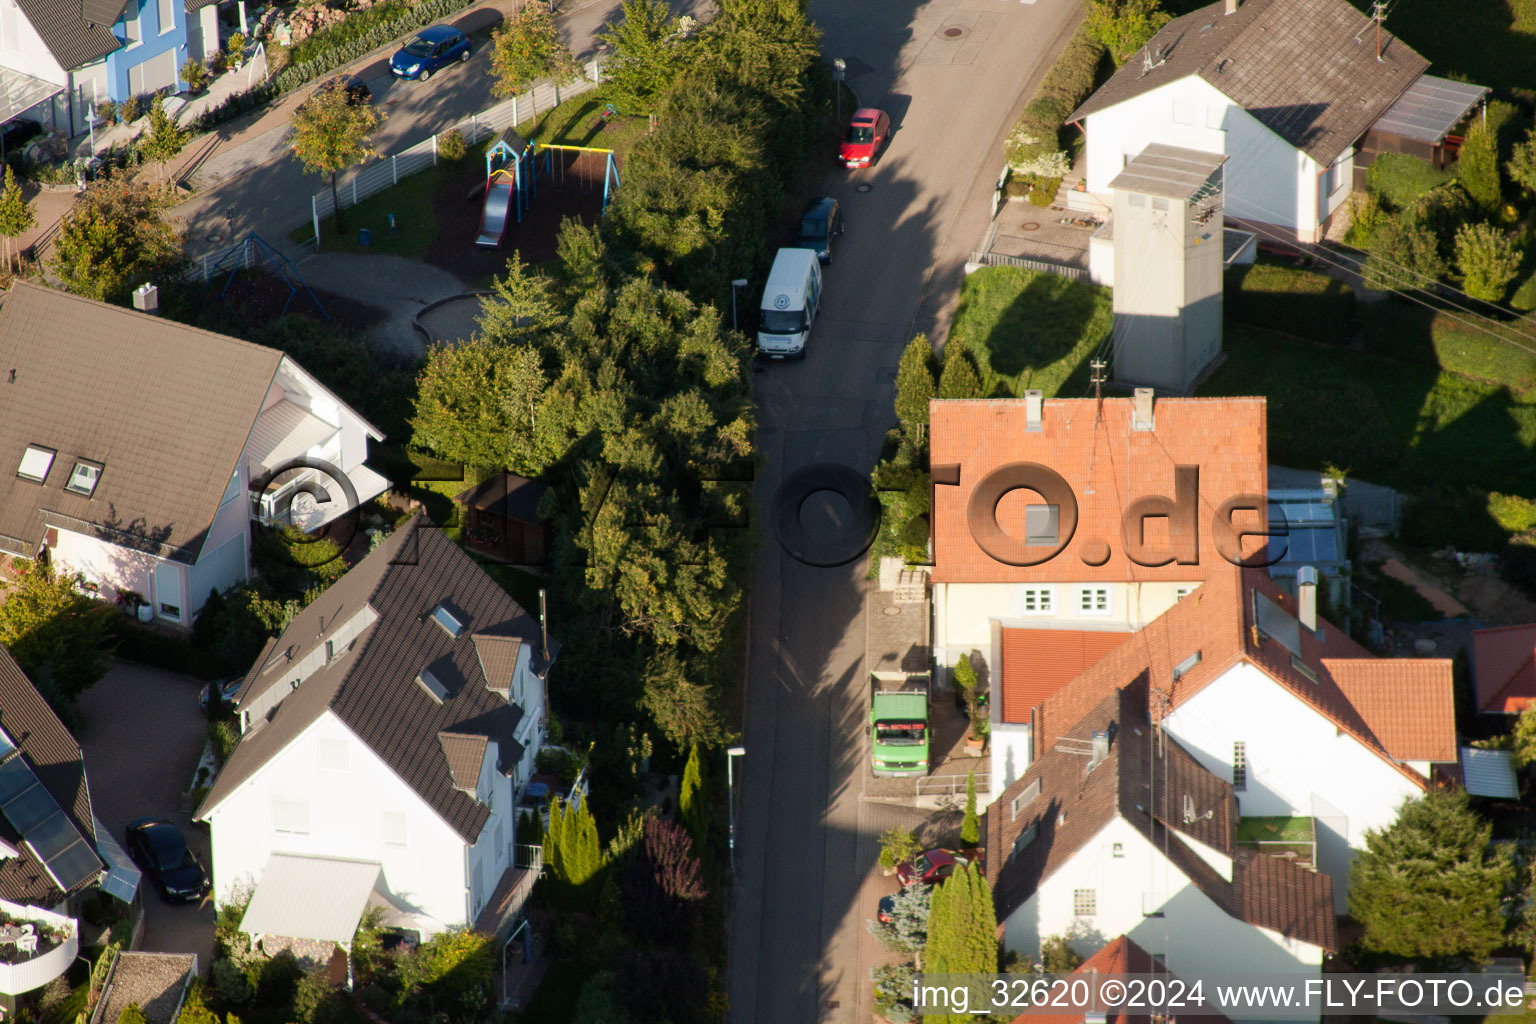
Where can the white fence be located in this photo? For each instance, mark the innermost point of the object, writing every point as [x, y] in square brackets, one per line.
[386, 171]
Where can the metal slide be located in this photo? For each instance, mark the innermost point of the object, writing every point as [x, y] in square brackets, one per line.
[493, 221]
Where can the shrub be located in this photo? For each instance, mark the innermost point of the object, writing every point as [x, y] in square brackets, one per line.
[898, 845]
[1488, 260]
[1518, 562]
[1478, 168]
[224, 736]
[106, 111]
[1125, 26]
[230, 984]
[132, 109]
[1397, 179]
[1040, 162]
[295, 564]
[1044, 192]
[1065, 86]
[278, 979]
[195, 74]
[1405, 257]
[1364, 218]
[451, 145]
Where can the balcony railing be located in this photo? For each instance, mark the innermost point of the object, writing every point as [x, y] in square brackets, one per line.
[40, 968]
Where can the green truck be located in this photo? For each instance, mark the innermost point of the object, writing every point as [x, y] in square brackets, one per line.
[898, 725]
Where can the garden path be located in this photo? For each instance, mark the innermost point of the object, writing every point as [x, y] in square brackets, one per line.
[399, 286]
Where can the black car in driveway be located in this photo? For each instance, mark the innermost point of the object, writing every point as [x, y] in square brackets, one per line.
[157, 846]
[820, 223]
[14, 135]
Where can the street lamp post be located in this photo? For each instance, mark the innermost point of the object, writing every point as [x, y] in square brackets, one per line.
[838, 67]
[90, 122]
[740, 282]
[731, 755]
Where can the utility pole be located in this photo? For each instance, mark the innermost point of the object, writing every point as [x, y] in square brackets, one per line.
[1378, 15]
[1097, 380]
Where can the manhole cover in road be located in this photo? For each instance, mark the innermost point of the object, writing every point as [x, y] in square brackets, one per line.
[863, 187]
[890, 610]
[954, 32]
[1030, 225]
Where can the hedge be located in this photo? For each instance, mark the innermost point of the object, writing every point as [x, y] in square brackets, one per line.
[1066, 85]
[1397, 179]
[336, 46]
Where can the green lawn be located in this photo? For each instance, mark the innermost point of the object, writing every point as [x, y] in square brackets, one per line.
[1411, 426]
[410, 202]
[1274, 830]
[574, 123]
[1491, 42]
[1030, 330]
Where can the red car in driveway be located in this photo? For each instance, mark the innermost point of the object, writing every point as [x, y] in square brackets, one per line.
[936, 865]
[867, 133]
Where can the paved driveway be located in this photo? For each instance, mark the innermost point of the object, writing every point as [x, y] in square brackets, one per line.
[142, 733]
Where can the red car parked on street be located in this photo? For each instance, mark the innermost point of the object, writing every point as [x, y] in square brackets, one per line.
[936, 865]
[867, 134]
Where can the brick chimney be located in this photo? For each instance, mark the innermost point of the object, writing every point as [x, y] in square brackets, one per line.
[1034, 401]
[1141, 418]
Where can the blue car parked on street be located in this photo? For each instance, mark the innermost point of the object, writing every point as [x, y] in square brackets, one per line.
[429, 50]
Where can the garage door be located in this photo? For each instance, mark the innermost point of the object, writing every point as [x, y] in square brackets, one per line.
[159, 72]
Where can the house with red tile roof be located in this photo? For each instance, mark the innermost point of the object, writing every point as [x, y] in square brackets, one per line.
[1118, 830]
[1504, 669]
[1304, 722]
[1120, 956]
[1037, 587]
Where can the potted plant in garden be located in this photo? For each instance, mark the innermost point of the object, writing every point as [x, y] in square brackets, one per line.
[106, 112]
[195, 74]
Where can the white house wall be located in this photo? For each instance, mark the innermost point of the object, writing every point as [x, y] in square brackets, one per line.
[1196, 937]
[346, 810]
[1010, 747]
[1267, 179]
[112, 568]
[25, 51]
[963, 613]
[1296, 759]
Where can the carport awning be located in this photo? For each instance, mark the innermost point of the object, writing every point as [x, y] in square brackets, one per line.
[1429, 109]
[122, 878]
[1489, 773]
[320, 898]
[21, 92]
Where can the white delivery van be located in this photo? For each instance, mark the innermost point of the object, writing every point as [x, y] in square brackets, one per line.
[790, 301]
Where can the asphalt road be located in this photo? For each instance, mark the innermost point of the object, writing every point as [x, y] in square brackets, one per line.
[806, 844]
[259, 186]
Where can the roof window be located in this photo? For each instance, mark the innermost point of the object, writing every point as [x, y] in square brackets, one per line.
[1184, 667]
[83, 478]
[432, 685]
[445, 617]
[36, 461]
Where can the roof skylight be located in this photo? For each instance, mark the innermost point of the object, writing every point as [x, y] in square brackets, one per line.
[36, 461]
[450, 622]
[83, 478]
[432, 685]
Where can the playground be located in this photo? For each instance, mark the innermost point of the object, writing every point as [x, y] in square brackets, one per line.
[552, 183]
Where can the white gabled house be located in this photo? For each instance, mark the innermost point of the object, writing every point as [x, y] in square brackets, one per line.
[1117, 831]
[387, 737]
[1293, 92]
[1304, 723]
[137, 446]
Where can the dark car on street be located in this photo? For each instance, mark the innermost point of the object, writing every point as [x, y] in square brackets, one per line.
[356, 89]
[157, 846]
[429, 50]
[820, 222]
[936, 865]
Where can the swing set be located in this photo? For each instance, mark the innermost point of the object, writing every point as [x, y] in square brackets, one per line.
[556, 172]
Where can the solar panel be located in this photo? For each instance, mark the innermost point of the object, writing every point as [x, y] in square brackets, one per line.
[52, 836]
[15, 776]
[77, 864]
[29, 808]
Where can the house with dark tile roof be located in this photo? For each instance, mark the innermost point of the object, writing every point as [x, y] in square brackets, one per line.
[387, 736]
[53, 851]
[140, 450]
[1118, 830]
[58, 58]
[1299, 95]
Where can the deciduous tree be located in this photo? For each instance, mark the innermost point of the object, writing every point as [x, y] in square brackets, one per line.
[1478, 168]
[332, 133]
[1125, 26]
[1430, 885]
[646, 54]
[16, 214]
[118, 235]
[1522, 162]
[1488, 260]
[1405, 256]
[166, 138]
[52, 629]
[527, 49]
[477, 402]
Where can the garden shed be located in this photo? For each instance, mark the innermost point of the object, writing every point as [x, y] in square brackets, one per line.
[501, 519]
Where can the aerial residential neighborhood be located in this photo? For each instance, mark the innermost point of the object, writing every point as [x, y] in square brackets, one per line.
[761, 511]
